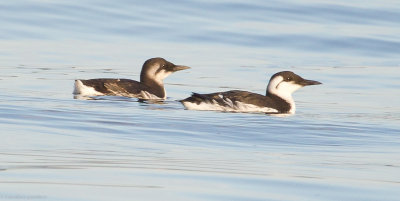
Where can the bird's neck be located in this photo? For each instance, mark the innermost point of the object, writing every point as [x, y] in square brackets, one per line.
[154, 87]
[284, 101]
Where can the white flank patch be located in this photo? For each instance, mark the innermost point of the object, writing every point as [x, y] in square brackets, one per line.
[80, 88]
[233, 107]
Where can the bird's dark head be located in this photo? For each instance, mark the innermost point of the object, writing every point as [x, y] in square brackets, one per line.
[284, 83]
[157, 69]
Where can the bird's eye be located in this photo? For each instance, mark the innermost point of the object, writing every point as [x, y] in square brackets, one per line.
[288, 78]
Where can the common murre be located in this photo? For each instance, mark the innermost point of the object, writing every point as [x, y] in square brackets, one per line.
[150, 87]
[278, 98]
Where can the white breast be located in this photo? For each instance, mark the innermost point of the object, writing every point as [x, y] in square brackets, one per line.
[150, 96]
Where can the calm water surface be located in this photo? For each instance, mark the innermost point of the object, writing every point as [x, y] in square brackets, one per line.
[342, 144]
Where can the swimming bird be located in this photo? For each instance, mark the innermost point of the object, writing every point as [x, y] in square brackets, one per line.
[278, 98]
[150, 87]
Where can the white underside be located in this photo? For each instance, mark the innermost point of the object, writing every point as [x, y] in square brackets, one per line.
[83, 90]
[233, 107]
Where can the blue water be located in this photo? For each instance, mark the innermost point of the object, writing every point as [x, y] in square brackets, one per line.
[343, 143]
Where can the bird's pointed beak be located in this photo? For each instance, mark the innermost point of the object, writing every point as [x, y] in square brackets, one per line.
[309, 82]
[179, 67]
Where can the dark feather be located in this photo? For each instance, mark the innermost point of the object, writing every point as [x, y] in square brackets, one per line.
[126, 87]
[231, 97]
